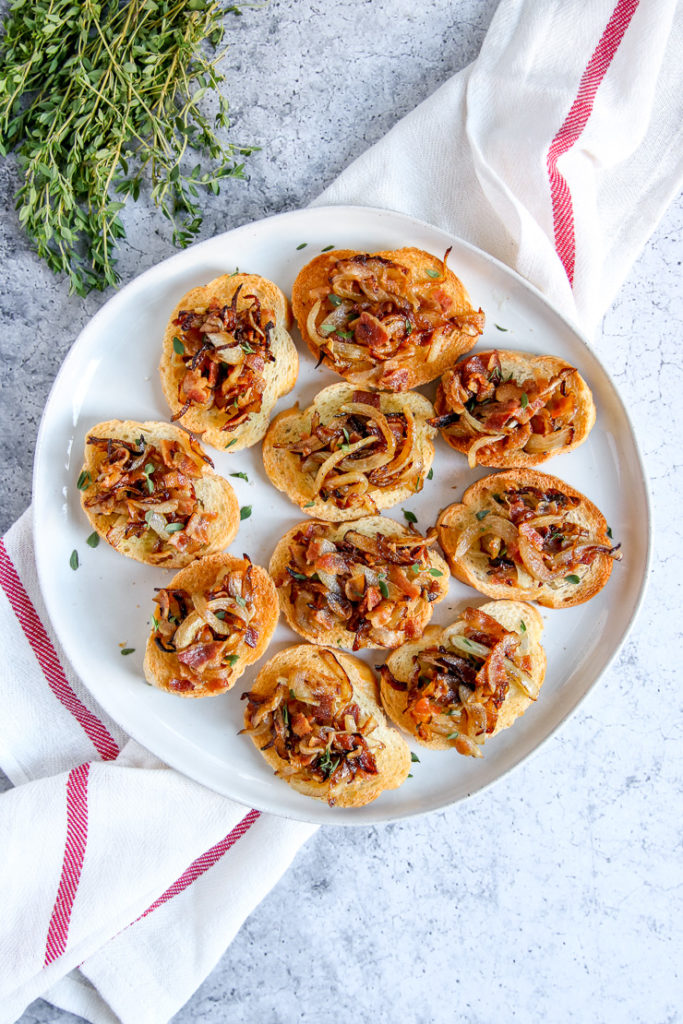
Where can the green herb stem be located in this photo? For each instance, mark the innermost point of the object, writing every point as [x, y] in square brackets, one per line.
[96, 96]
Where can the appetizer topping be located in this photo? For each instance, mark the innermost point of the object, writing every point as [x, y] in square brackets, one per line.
[150, 489]
[477, 402]
[207, 631]
[315, 726]
[359, 449]
[224, 351]
[526, 538]
[373, 586]
[456, 690]
[373, 310]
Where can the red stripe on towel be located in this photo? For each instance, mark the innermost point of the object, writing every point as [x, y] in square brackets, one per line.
[203, 863]
[573, 126]
[74, 853]
[96, 731]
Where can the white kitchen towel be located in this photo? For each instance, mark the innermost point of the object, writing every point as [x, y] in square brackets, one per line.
[111, 860]
[557, 151]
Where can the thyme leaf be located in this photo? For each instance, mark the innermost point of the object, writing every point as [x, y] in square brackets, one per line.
[99, 99]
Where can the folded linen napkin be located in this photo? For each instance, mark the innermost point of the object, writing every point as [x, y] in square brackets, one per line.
[557, 152]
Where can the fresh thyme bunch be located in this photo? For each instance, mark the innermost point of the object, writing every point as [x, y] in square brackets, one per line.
[94, 96]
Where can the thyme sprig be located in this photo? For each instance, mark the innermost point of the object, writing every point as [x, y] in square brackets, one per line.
[98, 96]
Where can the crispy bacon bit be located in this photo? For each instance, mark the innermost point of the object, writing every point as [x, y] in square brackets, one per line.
[181, 685]
[315, 727]
[376, 586]
[148, 490]
[375, 310]
[475, 400]
[369, 331]
[225, 351]
[206, 632]
[251, 636]
[366, 398]
[198, 656]
[456, 690]
[396, 380]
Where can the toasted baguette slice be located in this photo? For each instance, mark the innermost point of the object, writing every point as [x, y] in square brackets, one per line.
[502, 679]
[513, 409]
[201, 599]
[304, 695]
[203, 494]
[338, 410]
[426, 319]
[526, 535]
[268, 369]
[359, 596]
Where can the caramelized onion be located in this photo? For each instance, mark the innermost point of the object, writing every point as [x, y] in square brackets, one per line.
[535, 564]
[233, 356]
[482, 442]
[538, 443]
[349, 350]
[462, 643]
[407, 450]
[521, 679]
[335, 458]
[338, 317]
[491, 524]
[361, 409]
[311, 327]
[185, 633]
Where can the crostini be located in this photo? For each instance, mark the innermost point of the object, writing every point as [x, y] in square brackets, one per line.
[352, 452]
[368, 583]
[149, 490]
[391, 320]
[227, 358]
[524, 534]
[210, 622]
[460, 684]
[315, 716]
[512, 409]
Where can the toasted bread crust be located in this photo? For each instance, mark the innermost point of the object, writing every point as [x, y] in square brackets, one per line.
[400, 663]
[370, 526]
[284, 467]
[479, 498]
[388, 747]
[161, 667]
[280, 375]
[524, 366]
[406, 370]
[213, 492]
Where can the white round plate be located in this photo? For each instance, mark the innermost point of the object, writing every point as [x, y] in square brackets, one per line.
[111, 373]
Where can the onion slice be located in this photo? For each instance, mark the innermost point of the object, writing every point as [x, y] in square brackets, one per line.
[481, 442]
[337, 457]
[185, 633]
[492, 524]
[549, 442]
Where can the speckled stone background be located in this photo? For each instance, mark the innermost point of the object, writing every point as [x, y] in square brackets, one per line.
[555, 896]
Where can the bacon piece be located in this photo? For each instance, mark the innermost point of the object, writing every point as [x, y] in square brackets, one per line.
[369, 331]
[198, 656]
[333, 563]
[479, 621]
[194, 388]
[396, 380]
[300, 725]
[181, 685]
[366, 398]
